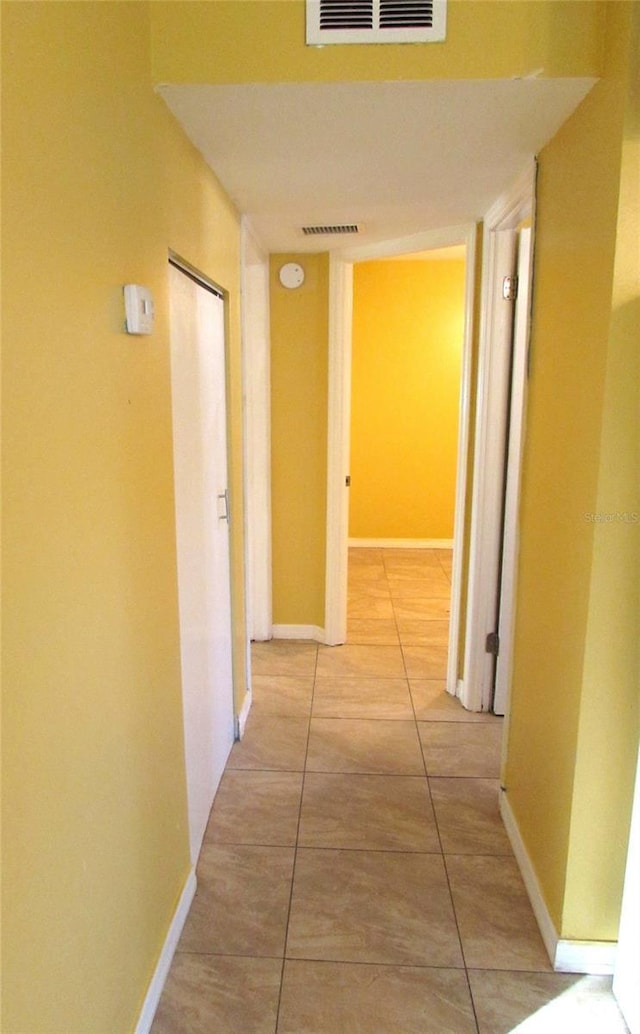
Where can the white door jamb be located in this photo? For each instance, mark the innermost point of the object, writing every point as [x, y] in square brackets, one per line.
[505, 215]
[340, 315]
[257, 432]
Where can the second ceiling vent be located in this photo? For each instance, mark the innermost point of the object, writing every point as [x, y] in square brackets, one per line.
[337, 228]
[376, 21]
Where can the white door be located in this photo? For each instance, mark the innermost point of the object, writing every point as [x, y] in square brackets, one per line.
[198, 387]
[507, 585]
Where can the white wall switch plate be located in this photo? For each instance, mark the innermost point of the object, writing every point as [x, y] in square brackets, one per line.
[139, 309]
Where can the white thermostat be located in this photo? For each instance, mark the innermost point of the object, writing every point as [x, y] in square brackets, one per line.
[139, 309]
[291, 275]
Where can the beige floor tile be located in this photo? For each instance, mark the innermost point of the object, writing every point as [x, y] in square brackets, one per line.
[435, 608]
[468, 816]
[333, 998]
[433, 582]
[426, 662]
[284, 657]
[432, 703]
[256, 808]
[402, 557]
[282, 695]
[368, 587]
[359, 605]
[352, 745]
[366, 574]
[419, 632]
[412, 569]
[242, 900]
[367, 812]
[361, 906]
[542, 1003]
[377, 661]
[372, 631]
[362, 698]
[271, 742]
[495, 918]
[461, 748]
[364, 555]
[225, 995]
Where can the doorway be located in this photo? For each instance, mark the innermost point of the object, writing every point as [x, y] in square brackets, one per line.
[408, 328]
[198, 390]
[340, 323]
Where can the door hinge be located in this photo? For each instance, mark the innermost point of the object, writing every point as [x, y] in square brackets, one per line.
[347, 481]
[510, 288]
[492, 644]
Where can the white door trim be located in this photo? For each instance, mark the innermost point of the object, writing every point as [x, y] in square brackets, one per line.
[257, 431]
[340, 315]
[515, 443]
[514, 206]
[338, 440]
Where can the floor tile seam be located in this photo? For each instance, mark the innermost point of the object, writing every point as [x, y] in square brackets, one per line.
[375, 775]
[455, 722]
[356, 718]
[460, 941]
[415, 966]
[364, 772]
[339, 771]
[375, 963]
[293, 771]
[228, 955]
[297, 837]
[372, 850]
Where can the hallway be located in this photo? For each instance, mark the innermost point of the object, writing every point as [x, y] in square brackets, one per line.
[355, 875]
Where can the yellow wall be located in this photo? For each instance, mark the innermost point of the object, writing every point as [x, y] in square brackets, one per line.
[408, 325]
[235, 41]
[98, 183]
[609, 713]
[573, 731]
[299, 398]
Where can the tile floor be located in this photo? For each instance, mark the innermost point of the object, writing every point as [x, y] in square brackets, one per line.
[355, 876]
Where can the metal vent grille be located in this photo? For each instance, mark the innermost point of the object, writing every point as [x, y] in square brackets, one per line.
[376, 21]
[336, 14]
[395, 14]
[344, 228]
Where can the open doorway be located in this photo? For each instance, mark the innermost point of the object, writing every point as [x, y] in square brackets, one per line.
[407, 347]
[340, 372]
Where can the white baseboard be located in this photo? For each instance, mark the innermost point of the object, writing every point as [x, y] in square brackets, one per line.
[313, 632]
[597, 958]
[401, 543]
[241, 719]
[152, 997]
[592, 957]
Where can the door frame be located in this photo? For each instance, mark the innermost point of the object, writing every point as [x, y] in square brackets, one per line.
[197, 818]
[514, 206]
[256, 374]
[338, 446]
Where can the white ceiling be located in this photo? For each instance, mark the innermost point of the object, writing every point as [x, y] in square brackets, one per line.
[397, 158]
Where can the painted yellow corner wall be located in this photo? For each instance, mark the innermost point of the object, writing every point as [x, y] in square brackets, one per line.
[299, 399]
[557, 727]
[98, 184]
[609, 714]
[236, 41]
[408, 326]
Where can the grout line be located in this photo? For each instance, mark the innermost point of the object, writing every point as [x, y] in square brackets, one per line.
[296, 846]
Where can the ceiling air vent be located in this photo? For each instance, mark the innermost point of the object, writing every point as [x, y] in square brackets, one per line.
[376, 21]
[344, 228]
